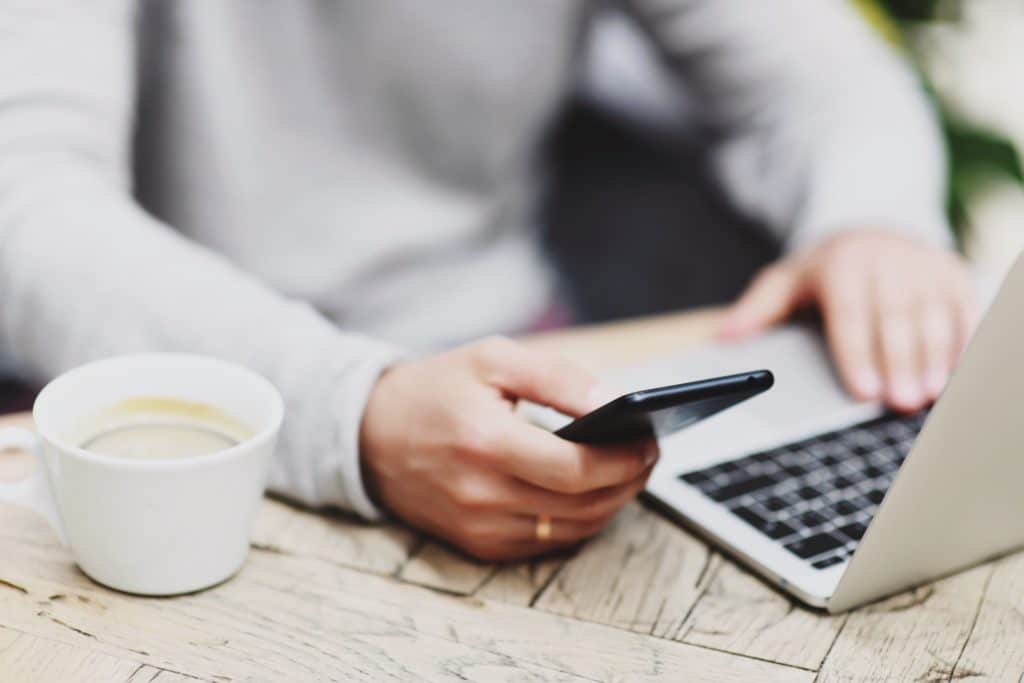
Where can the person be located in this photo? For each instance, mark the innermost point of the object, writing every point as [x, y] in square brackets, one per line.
[339, 196]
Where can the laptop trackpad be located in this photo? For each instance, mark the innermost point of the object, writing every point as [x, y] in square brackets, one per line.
[806, 399]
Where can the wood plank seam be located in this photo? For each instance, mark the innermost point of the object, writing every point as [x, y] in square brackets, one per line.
[140, 667]
[520, 583]
[705, 577]
[136, 672]
[439, 566]
[544, 587]
[283, 567]
[974, 623]
[162, 670]
[614, 628]
[711, 648]
[915, 635]
[547, 584]
[417, 548]
[487, 579]
[829, 651]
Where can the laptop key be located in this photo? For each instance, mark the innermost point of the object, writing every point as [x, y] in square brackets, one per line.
[842, 482]
[749, 516]
[828, 561]
[694, 478]
[839, 477]
[808, 493]
[777, 530]
[774, 530]
[811, 519]
[854, 530]
[845, 507]
[813, 545]
[875, 496]
[730, 491]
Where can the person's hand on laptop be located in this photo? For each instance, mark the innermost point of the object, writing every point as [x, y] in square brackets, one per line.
[443, 449]
[897, 312]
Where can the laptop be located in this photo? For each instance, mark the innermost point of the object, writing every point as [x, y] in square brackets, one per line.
[840, 503]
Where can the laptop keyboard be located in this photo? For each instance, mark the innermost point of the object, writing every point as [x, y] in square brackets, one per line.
[816, 497]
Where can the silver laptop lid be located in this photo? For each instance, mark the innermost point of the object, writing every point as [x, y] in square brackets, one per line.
[959, 497]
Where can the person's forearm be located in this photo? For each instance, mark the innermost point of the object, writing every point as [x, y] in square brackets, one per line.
[84, 272]
[85, 275]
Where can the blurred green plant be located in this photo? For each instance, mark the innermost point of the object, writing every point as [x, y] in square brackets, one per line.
[977, 156]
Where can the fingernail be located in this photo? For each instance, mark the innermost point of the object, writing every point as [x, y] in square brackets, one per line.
[934, 382]
[868, 383]
[905, 392]
[651, 454]
[600, 394]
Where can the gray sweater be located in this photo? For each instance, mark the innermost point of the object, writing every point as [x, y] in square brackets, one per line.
[310, 187]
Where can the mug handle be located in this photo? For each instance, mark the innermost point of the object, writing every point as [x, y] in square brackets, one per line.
[34, 492]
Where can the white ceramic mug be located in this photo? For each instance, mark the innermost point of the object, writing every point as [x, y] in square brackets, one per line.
[153, 527]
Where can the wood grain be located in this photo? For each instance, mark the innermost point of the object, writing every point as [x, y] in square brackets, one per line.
[149, 674]
[26, 658]
[642, 574]
[325, 597]
[739, 613]
[436, 566]
[520, 583]
[333, 537]
[917, 635]
[995, 649]
[289, 618]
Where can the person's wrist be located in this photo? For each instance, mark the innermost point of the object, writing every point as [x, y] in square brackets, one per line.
[369, 448]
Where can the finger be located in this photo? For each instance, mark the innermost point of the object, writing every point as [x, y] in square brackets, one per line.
[896, 335]
[562, 536]
[562, 530]
[846, 308]
[541, 377]
[524, 498]
[505, 537]
[771, 297]
[539, 457]
[968, 315]
[937, 335]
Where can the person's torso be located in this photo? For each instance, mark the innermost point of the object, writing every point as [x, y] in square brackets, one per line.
[374, 158]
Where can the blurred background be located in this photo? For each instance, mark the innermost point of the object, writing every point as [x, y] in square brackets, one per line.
[620, 160]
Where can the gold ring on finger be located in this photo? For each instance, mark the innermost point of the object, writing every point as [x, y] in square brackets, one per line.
[543, 528]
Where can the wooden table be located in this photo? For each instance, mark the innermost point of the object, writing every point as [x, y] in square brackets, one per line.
[325, 597]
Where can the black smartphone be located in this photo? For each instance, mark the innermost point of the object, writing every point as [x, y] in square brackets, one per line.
[661, 411]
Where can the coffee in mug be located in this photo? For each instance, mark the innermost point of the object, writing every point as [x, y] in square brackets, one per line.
[151, 467]
[159, 428]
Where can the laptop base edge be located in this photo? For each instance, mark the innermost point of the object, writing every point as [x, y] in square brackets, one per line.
[779, 583]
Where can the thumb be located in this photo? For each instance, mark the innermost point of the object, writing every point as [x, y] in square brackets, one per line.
[769, 299]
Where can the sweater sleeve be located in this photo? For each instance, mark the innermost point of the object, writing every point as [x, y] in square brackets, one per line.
[86, 273]
[818, 125]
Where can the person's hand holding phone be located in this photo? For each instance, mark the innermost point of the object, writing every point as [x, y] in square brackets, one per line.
[443, 449]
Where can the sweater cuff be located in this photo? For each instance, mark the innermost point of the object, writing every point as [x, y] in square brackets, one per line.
[343, 480]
